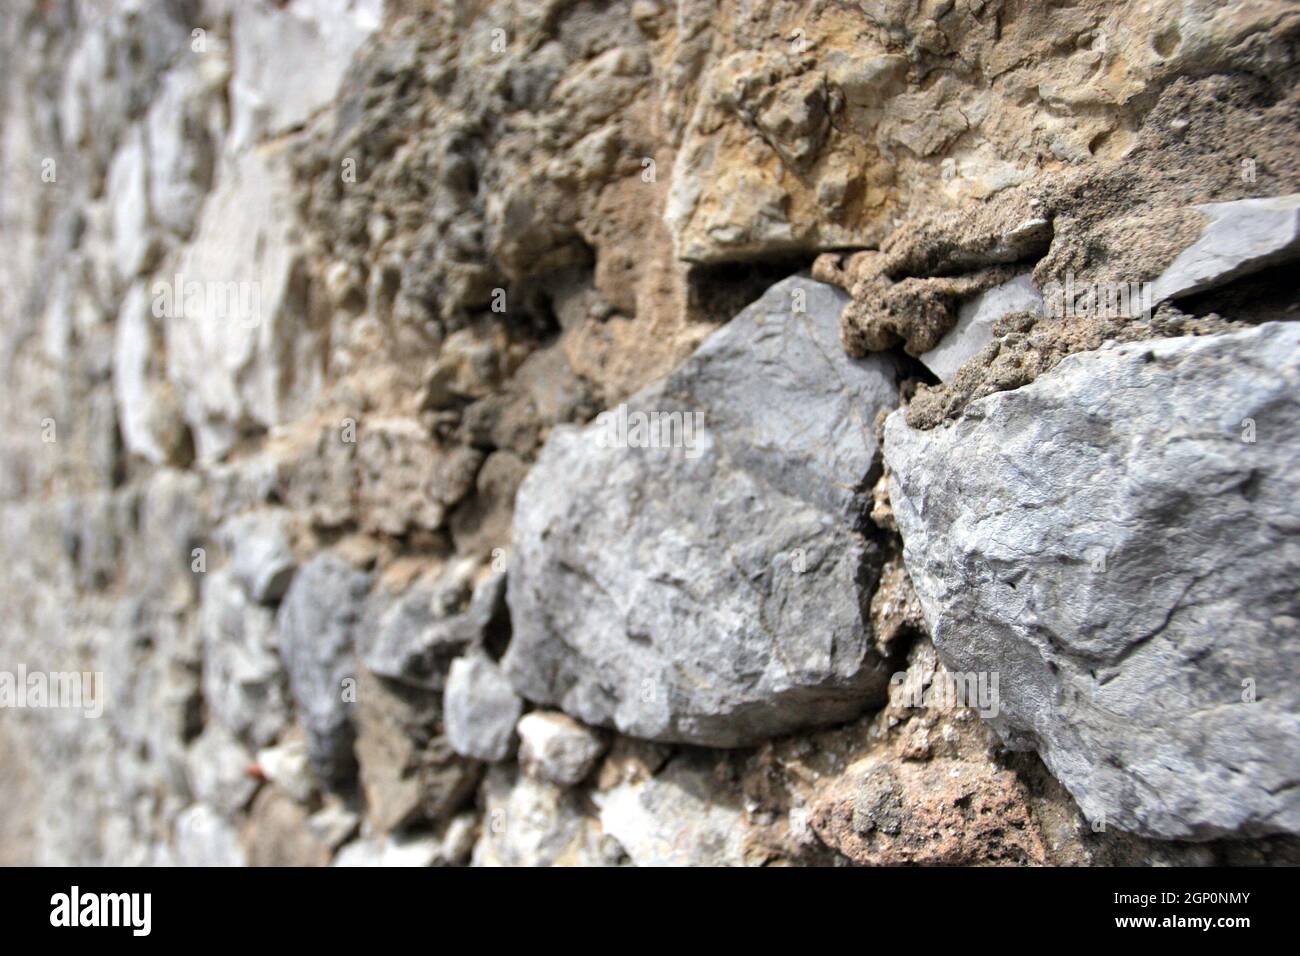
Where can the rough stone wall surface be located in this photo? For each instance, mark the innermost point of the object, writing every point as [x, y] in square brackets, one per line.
[341, 343]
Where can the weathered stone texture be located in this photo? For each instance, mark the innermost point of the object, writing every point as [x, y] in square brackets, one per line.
[308, 311]
[1119, 541]
[714, 592]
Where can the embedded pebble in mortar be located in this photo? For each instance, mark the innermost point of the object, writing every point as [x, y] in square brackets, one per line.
[975, 318]
[555, 747]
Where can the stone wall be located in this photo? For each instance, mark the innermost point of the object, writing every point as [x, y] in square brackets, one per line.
[568, 432]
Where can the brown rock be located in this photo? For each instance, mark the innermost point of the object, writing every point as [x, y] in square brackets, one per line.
[409, 772]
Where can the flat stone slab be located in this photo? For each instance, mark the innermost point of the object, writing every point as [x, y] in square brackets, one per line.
[1241, 237]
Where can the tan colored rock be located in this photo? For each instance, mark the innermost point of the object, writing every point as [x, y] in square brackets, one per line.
[938, 813]
[409, 772]
[277, 834]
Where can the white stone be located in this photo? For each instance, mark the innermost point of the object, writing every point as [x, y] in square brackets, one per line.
[448, 847]
[241, 351]
[184, 128]
[528, 822]
[288, 767]
[555, 747]
[668, 820]
[203, 838]
[138, 383]
[289, 62]
[134, 245]
[217, 769]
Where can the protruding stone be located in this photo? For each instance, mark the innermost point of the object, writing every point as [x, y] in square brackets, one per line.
[1118, 543]
[1241, 237]
[713, 591]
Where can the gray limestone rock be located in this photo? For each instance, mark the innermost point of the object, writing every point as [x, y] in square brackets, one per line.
[480, 709]
[413, 637]
[243, 679]
[316, 623]
[261, 557]
[1119, 544]
[1241, 237]
[975, 318]
[700, 578]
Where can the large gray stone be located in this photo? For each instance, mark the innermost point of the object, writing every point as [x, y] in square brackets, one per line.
[316, 623]
[1119, 542]
[715, 592]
